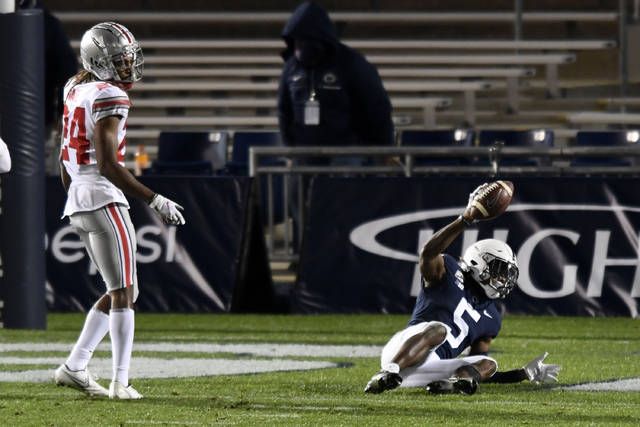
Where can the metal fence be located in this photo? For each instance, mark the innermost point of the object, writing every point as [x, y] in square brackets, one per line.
[485, 162]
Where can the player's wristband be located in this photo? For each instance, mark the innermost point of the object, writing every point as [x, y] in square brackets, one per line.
[465, 221]
[514, 376]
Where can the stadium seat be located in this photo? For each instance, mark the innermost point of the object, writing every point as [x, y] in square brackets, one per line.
[438, 138]
[242, 141]
[190, 153]
[604, 139]
[517, 138]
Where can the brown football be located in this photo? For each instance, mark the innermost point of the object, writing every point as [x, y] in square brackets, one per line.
[492, 200]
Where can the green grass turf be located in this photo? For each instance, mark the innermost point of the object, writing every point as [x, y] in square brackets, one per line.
[588, 350]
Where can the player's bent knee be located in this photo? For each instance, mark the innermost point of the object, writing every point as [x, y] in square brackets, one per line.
[486, 367]
[436, 333]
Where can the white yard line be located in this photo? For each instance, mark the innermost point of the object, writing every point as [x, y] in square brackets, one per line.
[629, 384]
[262, 349]
[150, 367]
[183, 366]
[147, 367]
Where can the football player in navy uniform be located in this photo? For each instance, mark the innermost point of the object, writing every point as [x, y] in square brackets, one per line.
[456, 310]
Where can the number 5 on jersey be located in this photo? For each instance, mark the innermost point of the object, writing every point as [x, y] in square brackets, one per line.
[463, 306]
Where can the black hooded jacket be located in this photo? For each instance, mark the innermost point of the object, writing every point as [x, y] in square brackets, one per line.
[354, 106]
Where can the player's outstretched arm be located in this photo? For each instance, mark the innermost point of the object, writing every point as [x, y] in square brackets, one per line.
[535, 371]
[431, 263]
[105, 138]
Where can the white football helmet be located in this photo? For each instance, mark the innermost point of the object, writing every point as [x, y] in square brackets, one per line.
[110, 52]
[493, 265]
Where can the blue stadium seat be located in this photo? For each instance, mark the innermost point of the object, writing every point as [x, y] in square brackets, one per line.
[242, 141]
[517, 138]
[604, 139]
[190, 153]
[438, 138]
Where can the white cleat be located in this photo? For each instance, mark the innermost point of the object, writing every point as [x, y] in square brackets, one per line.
[119, 391]
[80, 380]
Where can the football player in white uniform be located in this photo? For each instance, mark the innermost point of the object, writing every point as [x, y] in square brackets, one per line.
[93, 145]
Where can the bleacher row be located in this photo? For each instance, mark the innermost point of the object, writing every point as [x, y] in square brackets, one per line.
[223, 153]
[225, 84]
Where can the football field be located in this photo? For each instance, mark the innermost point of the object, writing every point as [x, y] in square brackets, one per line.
[311, 370]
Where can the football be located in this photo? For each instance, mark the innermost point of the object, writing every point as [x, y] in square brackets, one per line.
[492, 200]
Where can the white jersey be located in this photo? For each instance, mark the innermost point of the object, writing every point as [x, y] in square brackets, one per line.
[84, 105]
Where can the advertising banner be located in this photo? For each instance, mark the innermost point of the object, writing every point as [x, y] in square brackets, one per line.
[576, 241]
[215, 262]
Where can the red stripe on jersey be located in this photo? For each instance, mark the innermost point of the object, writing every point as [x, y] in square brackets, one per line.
[103, 104]
[125, 244]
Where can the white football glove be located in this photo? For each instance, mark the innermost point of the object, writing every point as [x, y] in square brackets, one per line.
[541, 373]
[472, 196]
[168, 210]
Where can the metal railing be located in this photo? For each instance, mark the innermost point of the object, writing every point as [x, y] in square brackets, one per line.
[401, 161]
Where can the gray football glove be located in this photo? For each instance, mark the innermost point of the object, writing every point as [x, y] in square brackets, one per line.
[541, 373]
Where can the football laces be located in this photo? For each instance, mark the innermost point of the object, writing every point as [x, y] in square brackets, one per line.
[486, 190]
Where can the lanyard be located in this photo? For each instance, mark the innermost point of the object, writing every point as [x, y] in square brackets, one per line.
[312, 95]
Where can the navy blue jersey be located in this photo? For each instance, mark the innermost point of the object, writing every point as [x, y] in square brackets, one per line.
[467, 316]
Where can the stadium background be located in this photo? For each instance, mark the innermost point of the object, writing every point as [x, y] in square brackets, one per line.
[546, 76]
[574, 223]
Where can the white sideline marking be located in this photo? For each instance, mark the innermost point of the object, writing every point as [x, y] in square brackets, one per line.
[148, 367]
[262, 349]
[630, 384]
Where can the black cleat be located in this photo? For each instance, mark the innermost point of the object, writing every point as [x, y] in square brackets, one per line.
[382, 381]
[453, 385]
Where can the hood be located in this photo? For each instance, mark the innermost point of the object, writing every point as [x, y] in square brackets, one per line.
[309, 21]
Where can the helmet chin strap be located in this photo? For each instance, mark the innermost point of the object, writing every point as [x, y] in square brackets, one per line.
[495, 294]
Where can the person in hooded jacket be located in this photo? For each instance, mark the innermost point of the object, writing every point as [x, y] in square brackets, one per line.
[329, 94]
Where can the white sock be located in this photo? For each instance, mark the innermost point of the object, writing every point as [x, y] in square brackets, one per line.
[121, 326]
[96, 326]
